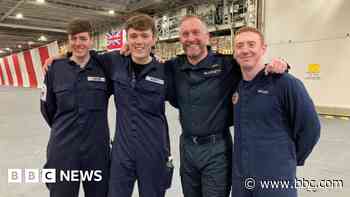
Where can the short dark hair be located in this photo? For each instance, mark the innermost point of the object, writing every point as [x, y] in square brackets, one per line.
[141, 22]
[79, 26]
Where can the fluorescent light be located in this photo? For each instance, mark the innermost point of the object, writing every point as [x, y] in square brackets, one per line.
[42, 38]
[111, 12]
[19, 16]
[40, 1]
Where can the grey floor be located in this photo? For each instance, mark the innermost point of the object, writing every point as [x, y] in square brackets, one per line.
[24, 135]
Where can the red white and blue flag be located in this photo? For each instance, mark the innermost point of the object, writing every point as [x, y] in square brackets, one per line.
[115, 40]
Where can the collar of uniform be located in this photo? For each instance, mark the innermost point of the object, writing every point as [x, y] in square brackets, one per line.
[150, 66]
[204, 63]
[258, 77]
[88, 65]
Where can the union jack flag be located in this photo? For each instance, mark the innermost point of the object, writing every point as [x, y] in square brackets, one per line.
[115, 40]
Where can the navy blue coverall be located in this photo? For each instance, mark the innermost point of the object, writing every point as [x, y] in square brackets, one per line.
[202, 93]
[141, 144]
[276, 128]
[74, 104]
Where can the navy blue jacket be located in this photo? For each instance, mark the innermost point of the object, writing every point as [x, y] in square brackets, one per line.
[276, 126]
[74, 104]
[202, 92]
[140, 104]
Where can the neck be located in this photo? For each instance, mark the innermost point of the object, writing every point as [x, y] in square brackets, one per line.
[250, 72]
[145, 60]
[81, 61]
[196, 60]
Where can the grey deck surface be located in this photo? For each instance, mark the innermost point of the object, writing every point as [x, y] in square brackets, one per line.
[24, 135]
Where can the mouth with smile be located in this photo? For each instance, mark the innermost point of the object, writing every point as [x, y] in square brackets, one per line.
[192, 46]
[139, 49]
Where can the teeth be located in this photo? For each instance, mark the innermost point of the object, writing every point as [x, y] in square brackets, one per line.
[192, 45]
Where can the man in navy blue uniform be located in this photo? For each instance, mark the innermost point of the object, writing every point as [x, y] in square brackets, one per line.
[141, 147]
[201, 84]
[276, 125]
[74, 104]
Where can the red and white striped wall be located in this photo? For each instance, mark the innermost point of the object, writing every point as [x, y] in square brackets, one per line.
[25, 69]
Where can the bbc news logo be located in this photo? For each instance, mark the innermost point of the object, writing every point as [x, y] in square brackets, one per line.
[51, 175]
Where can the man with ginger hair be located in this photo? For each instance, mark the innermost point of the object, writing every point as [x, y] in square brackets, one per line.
[276, 124]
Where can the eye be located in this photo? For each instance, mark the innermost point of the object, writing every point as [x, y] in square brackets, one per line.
[196, 32]
[185, 34]
[239, 45]
[251, 44]
[133, 36]
[145, 36]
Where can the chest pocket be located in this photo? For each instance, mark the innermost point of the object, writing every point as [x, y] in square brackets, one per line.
[264, 99]
[65, 98]
[97, 95]
[151, 97]
[213, 72]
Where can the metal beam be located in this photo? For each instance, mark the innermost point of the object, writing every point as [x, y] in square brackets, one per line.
[142, 4]
[32, 28]
[79, 8]
[40, 20]
[8, 13]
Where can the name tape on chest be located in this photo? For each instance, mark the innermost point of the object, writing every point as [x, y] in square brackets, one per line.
[212, 72]
[263, 91]
[97, 79]
[216, 66]
[155, 80]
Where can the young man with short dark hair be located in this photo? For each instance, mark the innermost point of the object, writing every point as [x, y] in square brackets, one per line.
[74, 104]
[141, 147]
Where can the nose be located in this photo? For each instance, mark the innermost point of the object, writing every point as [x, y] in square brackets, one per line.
[191, 37]
[138, 40]
[77, 42]
[244, 49]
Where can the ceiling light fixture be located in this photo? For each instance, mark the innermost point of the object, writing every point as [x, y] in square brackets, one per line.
[42, 38]
[111, 12]
[19, 16]
[40, 1]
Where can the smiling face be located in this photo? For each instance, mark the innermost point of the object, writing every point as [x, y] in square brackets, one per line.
[80, 44]
[249, 49]
[194, 38]
[140, 44]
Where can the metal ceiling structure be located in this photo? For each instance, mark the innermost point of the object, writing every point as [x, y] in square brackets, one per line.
[23, 22]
